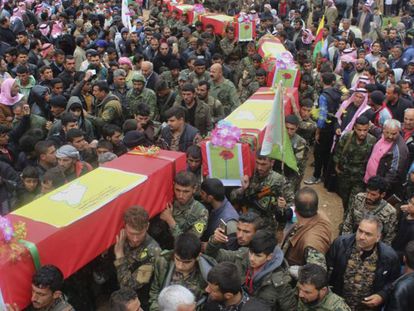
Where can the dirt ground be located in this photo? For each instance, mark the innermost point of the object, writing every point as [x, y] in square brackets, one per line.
[329, 202]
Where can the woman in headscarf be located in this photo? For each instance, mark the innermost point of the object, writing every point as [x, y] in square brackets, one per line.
[8, 97]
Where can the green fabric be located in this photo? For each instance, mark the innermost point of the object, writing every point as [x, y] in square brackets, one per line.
[34, 252]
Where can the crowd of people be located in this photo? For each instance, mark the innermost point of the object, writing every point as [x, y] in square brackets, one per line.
[79, 89]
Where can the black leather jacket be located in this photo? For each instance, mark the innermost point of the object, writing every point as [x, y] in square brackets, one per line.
[401, 296]
[388, 267]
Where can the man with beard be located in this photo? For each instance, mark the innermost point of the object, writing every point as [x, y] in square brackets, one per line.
[314, 292]
[216, 108]
[362, 268]
[198, 112]
[135, 253]
[359, 71]
[372, 201]
[69, 162]
[351, 157]
[139, 94]
[395, 103]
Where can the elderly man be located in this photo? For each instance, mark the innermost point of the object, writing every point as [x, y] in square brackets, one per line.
[151, 77]
[362, 268]
[176, 298]
[223, 89]
[389, 158]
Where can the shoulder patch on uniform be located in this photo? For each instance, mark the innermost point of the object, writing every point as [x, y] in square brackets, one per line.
[199, 227]
[144, 254]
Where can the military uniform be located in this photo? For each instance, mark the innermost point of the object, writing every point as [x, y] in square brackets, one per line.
[201, 118]
[226, 93]
[331, 302]
[273, 288]
[216, 109]
[384, 211]
[230, 48]
[359, 278]
[135, 269]
[146, 96]
[171, 81]
[165, 275]
[266, 205]
[307, 129]
[194, 79]
[309, 93]
[352, 159]
[248, 89]
[192, 217]
[183, 44]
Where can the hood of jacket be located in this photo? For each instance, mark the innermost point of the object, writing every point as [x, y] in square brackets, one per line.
[271, 265]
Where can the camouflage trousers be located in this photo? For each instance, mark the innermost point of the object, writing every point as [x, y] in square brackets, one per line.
[347, 188]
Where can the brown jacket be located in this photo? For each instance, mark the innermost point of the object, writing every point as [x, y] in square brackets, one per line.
[317, 233]
[6, 115]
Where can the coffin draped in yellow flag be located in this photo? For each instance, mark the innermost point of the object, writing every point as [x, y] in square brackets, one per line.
[276, 142]
[81, 197]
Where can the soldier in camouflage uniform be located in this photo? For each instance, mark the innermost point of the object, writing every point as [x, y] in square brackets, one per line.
[185, 214]
[184, 41]
[314, 293]
[216, 108]
[171, 76]
[372, 202]
[139, 94]
[200, 73]
[183, 266]
[307, 127]
[263, 177]
[247, 63]
[199, 29]
[223, 89]
[230, 46]
[305, 89]
[135, 253]
[272, 284]
[300, 150]
[249, 87]
[351, 157]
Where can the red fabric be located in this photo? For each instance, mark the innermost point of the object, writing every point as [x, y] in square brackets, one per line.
[72, 247]
[286, 100]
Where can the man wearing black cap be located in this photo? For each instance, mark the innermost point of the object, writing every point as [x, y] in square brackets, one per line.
[171, 76]
[200, 73]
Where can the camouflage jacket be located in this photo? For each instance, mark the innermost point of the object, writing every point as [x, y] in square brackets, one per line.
[202, 116]
[351, 157]
[307, 129]
[170, 80]
[216, 109]
[230, 48]
[226, 93]
[300, 149]
[147, 96]
[331, 302]
[135, 269]
[272, 286]
[109, 110]
[192, 217]
[266, 205]
[384, 211]
[248, 90]
[165, 275]
[247, 64]
[194, 79]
